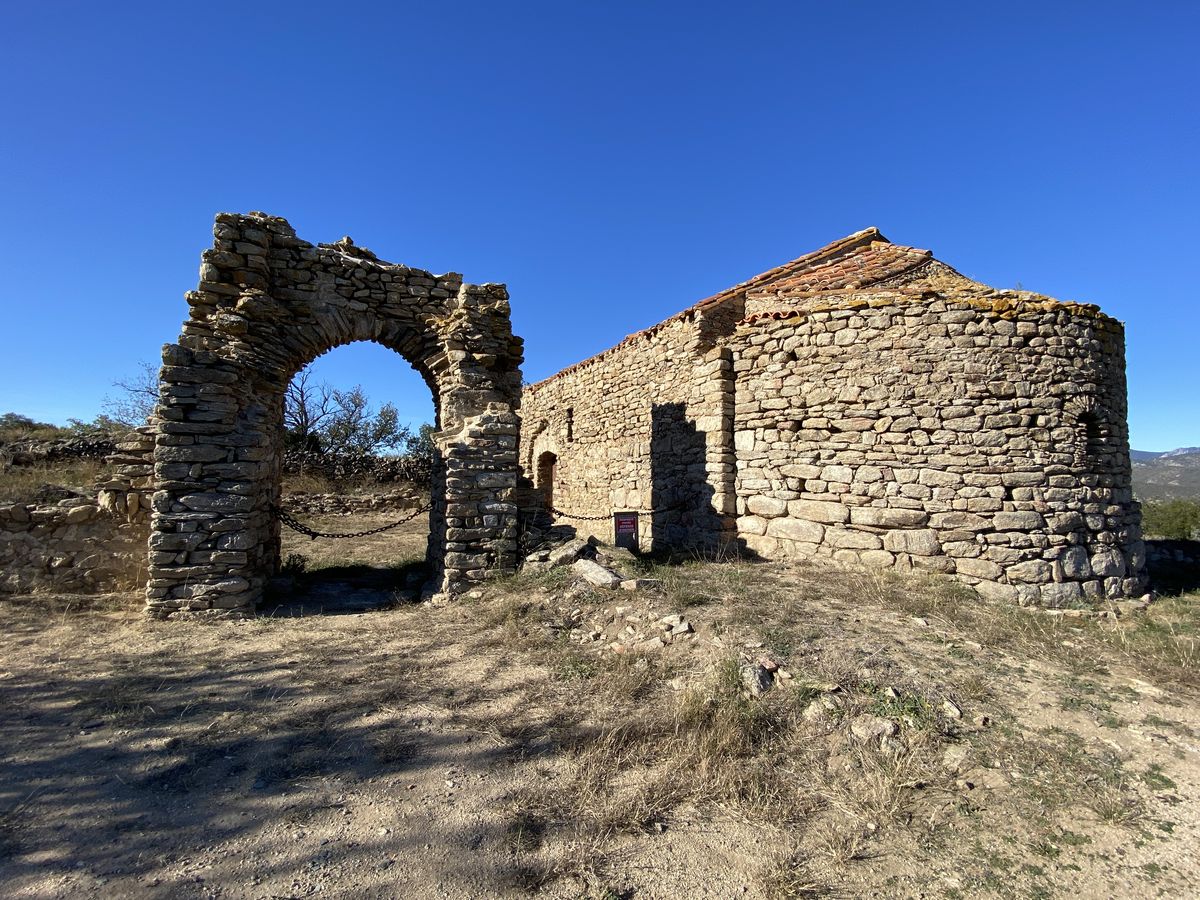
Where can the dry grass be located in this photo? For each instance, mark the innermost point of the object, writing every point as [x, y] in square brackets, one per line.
[392, 549]
[22, 483]
[1163, 641]
[760, 760]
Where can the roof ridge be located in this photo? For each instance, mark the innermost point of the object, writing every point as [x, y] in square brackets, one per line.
[828, 253]
[878, 261]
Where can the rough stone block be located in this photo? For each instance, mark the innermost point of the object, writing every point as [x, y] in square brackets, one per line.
[885, 517]
[767, 507]
[819, 511]
[920, 542]
[751, 525]
[978, 568]
[794, 529]
[1108, 563]
[1018, 521]
[959, 521]
[846, 538]
[1032, 571]
[594, 573]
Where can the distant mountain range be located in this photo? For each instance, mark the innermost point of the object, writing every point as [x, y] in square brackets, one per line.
[1166, 476]
[1144, 455]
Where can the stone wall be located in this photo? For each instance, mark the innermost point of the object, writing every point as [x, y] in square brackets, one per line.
[267, 304]
[83, 544]
[866, 404]
[640, 429]
[975, 440]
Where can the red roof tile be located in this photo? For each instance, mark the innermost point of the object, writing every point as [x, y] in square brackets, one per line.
[870, 265]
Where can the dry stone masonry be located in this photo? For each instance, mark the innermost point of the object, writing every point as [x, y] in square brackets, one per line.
[267, 304]
[868, 404]
[83, 543]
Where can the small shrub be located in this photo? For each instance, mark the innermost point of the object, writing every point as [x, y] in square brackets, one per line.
[294, 565]
[1173, 519]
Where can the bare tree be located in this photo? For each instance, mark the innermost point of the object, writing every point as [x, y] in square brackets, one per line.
[307, 406]
[317, 416]
[139, 395]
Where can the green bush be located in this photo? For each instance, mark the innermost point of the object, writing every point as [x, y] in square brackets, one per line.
[1178, 519]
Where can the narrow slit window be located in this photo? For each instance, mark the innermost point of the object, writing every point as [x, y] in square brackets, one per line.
[1091, 434]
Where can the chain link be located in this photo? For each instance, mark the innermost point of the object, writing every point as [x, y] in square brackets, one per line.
[293, 523]
[559, 514]
[683, 504]
[296, 525]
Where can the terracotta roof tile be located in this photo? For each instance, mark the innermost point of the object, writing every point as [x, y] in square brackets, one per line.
[870, 265]
[848, 246]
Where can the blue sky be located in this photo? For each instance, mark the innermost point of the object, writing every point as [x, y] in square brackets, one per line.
[612, 163]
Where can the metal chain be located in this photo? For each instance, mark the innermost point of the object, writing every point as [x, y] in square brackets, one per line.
[293, 523]
[559, 514]
[683, 504]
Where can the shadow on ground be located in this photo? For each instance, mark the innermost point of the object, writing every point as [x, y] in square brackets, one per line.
[181, 761]
[1173, 565]
[342, 590]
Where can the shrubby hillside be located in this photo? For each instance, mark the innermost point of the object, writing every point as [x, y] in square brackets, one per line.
[1166, 476]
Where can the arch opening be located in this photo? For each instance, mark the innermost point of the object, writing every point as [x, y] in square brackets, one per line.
[268, 304]
[352, 460]
[547, 477]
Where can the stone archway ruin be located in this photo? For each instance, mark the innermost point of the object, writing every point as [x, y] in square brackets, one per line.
[267, 304]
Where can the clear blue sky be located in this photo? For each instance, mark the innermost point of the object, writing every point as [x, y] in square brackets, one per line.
[612, 163]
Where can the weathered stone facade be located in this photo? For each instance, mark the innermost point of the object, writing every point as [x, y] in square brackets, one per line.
[267, 304]
[868, 404]
[83, 544]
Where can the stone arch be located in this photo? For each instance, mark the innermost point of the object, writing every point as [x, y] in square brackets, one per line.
[267, 304]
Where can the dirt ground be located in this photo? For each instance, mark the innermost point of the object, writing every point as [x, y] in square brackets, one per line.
[541, 738]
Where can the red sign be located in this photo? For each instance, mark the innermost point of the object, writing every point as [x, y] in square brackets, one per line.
[625, 530]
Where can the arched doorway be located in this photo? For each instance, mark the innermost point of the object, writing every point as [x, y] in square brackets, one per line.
[267, 304]
[547, 472]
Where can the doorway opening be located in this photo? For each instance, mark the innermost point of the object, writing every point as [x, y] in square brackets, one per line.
[547, 476]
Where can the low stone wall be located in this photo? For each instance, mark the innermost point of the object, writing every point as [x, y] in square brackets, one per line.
[1173, 565]
[1163, 552]
[79, 545]
[83, 543]
[349, 504]
[27, 453]
[414, 468]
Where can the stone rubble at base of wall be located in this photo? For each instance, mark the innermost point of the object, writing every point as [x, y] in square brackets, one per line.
[985, 439]
[83, 544]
